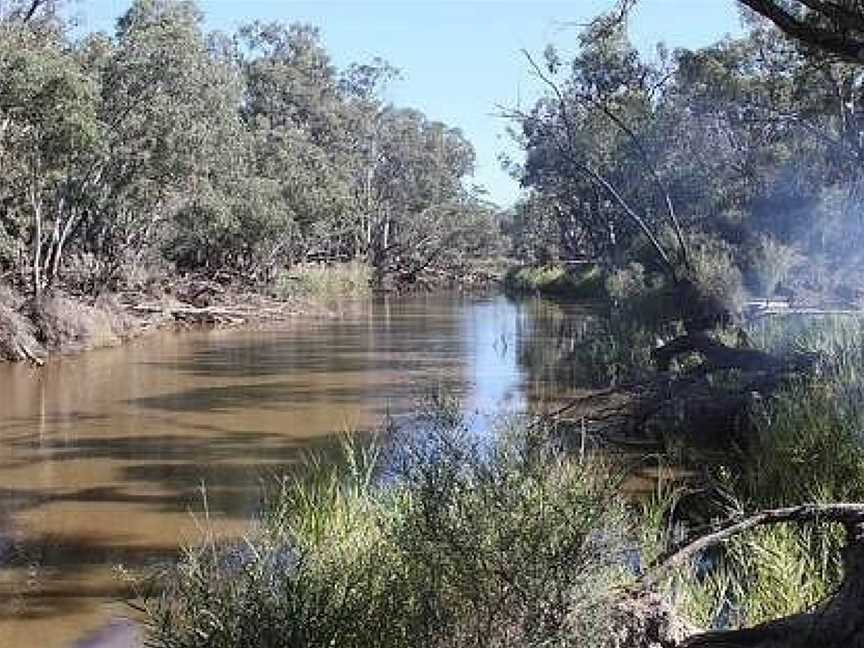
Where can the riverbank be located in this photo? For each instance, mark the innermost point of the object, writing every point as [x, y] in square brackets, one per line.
[68, 324]
[528, 537]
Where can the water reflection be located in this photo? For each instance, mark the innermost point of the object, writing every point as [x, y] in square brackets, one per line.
[566, 347]
[102, 456]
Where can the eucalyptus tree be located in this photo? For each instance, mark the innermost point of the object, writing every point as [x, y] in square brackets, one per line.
[417, 177]
[49, 133]
[298, 119]
[592, 143]
[175, 144]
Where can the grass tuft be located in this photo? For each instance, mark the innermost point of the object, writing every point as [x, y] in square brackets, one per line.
[325, 282]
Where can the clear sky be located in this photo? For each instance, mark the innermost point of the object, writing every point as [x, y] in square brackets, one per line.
[459, 58]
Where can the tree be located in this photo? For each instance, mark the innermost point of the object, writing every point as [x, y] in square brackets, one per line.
[835, 27]
[48, 132]
[587, 142]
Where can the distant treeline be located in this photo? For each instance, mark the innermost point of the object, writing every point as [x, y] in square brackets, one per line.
[164, 148]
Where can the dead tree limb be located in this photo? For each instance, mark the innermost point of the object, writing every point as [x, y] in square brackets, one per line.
[836, 623]
[717, 355]
[848, 514]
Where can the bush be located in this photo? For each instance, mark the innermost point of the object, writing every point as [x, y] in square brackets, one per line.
[768, 264]
[584, 283]
[715, 272]
[503, 543]
[627, 283]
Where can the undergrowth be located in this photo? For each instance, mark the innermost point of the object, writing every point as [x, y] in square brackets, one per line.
[449, 541]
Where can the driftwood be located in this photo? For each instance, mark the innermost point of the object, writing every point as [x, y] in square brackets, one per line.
[707, 412]
[836, 623]
[30, 355]
[192, 315]
[693, 404]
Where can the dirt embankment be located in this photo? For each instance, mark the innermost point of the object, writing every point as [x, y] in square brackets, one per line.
[64, 323]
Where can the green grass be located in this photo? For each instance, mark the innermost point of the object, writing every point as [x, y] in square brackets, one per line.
[461, 543]
[805, 446]
[555, 281]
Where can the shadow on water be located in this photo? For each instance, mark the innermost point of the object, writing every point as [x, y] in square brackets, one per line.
[275, 395]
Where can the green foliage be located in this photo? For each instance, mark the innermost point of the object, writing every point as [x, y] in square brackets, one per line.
[805, 447]
[509, 543]
[628, 283]
[585, 283]
[618, 144]
[241, 155]
[715, 272]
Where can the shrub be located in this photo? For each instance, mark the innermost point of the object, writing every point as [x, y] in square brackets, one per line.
[506, 542]
[627, 283]
[768, 264]
[584, 283]
[715, 272]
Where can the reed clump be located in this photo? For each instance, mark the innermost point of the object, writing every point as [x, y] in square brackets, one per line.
[325, 282]
[447, 541]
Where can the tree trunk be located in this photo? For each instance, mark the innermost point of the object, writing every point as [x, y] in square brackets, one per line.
[837, 623]
[36, 204]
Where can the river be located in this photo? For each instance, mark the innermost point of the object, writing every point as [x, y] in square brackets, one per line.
[103, 456]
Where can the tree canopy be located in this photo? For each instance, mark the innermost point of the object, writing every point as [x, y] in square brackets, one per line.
[164, 145]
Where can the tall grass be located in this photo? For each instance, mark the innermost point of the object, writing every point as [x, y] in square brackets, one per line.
[806, 446]
[325, 282]
[452, 541]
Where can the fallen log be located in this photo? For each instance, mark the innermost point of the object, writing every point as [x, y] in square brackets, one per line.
[193, 315]
[717, 355]
[836, 623]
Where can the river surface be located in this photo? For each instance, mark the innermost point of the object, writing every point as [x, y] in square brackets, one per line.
[103, 456]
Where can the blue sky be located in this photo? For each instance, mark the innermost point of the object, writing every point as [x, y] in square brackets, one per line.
[460, 59]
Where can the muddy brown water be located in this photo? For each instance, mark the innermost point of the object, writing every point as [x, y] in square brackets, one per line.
[102, 456]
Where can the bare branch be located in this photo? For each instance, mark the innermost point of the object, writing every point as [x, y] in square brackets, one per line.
[840, 32]
[570, 154]
[848, 514]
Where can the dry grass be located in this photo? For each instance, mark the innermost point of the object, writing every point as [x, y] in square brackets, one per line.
[67, 324]
[17, 333]
[325, 282]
